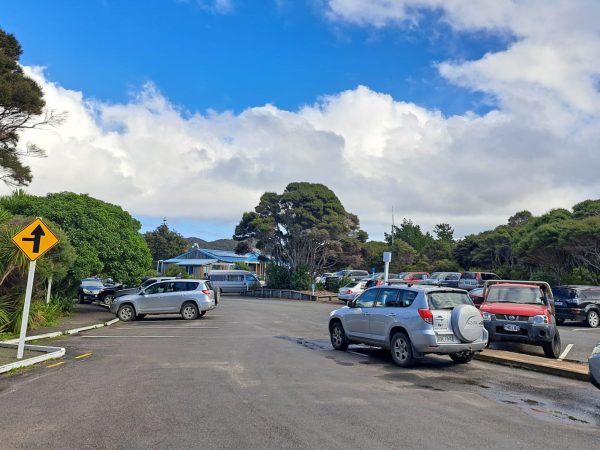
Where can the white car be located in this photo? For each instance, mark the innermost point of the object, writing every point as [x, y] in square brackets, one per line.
[352, 290]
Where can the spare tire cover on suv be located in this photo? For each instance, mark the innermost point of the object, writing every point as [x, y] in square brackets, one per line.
[467, 323]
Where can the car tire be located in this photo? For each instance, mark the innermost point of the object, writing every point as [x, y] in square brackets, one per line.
[462, 357]
[592, 318]
[553, 348]
[126, 313]
[560, 321]
[108, 299]
[339, 341]
[401, 350]
[189, 311]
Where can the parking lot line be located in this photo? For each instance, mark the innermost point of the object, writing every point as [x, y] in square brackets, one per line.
[85, 355]
[55, 364]
[124, 336]
[586, 329]
[564, 354]
[167, 326]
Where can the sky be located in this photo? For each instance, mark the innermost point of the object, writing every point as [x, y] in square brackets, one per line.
[448, 110]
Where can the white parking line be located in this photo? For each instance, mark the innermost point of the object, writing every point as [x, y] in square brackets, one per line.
[164, 326]
[586, 329]
[564, 354]
[136, 337]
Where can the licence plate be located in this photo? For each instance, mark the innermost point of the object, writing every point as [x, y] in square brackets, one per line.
[559, 303]
[511, 327]
[445, 338]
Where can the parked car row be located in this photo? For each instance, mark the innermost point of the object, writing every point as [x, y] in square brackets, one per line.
[412, 320]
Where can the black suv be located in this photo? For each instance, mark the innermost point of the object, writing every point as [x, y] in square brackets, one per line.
[576, 302]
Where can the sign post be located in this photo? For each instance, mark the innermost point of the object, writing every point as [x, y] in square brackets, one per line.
[34, 240]
[387, 258]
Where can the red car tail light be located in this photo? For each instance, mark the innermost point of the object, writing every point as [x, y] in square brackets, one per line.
[205, 291]
[426, 315]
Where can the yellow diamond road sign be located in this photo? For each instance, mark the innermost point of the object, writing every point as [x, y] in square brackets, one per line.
[35, 239]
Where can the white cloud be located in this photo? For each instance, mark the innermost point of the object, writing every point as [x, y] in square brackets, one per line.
[372, 150]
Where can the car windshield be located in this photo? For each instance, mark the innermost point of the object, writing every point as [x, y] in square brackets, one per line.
[88, 284]
[448, 300]
[351, 285]
[515, 294]
[437, 275]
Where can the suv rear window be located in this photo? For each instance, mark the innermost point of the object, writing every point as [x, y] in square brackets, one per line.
[564, 293]
[489, 276]
[468, 276]
[447, 300]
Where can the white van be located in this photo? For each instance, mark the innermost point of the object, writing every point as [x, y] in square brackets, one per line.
[233, 280]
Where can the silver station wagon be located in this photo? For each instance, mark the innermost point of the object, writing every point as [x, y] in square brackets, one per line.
[190, 298]
[411, 322]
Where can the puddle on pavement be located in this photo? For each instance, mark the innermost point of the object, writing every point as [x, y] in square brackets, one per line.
[508, 395]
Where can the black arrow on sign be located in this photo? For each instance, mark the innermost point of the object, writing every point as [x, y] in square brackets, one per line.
[37, 234]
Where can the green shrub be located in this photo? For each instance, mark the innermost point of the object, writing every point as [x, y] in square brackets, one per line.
[278, 277]
[301, 279]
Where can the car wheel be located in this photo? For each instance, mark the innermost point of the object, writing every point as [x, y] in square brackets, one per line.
[126, 313]
[338, 337]
[189, 311]
[108, 299]
[552, 349]
[593, 318]
[462, 357]
[560, 321]
[401, 349]
[202, 313]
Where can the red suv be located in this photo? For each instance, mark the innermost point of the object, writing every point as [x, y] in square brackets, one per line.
[521, 311]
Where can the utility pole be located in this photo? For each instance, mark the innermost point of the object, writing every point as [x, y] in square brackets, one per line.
[392, 225]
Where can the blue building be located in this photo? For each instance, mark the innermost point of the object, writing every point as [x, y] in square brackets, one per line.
[198, 262]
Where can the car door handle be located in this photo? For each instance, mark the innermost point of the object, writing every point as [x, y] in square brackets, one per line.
[391, 315]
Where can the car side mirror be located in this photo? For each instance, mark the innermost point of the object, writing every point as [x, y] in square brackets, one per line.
[143, 293]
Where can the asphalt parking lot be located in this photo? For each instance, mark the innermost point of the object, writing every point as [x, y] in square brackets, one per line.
[262, 374]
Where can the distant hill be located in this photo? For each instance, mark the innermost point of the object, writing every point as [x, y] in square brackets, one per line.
[219, 244]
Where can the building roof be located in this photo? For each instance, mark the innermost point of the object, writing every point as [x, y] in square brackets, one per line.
[199, 256]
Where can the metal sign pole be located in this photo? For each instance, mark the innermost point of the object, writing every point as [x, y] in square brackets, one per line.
[25, 318]
[387, 257]
[49, 291]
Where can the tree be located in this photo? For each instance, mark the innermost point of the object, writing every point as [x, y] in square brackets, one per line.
[165, 243]
[21, 107]
[444, 232]
[306, 224]
[411, 234]
[403, 255]
[520, 218]
[106, 238]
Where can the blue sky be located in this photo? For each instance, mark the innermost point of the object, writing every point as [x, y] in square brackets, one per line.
[262, 51]
[212, 70]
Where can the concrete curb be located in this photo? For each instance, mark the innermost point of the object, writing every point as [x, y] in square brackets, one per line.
[62, 333]
[51, 353]
[563, 369]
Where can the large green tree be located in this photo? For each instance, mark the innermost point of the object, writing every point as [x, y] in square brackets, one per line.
[106, 238]
[411, 234]
[165, 243]
[21, 107]
[306, 224]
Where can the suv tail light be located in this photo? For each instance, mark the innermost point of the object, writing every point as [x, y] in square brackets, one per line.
[426, 315]
[349, 291]
[205, 291]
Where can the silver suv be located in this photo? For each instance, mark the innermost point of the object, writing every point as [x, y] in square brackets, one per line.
[190, 298]
[410, 322]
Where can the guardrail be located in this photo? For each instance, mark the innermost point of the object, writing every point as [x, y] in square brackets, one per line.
[287, 294]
